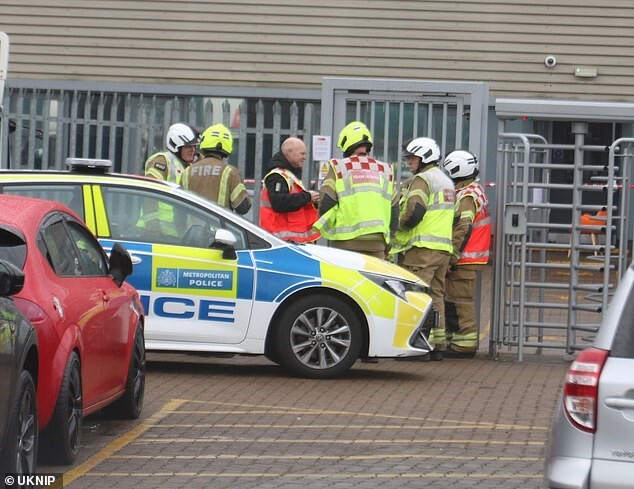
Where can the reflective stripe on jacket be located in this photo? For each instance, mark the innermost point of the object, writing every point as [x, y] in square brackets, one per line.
[476, 251]
[364, 190]
[158, 219]
[174, 168]
[466, 341]
[434, 231]
[211, 178]
[296, 226]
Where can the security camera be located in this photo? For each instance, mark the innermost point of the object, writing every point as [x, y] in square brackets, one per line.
[550, 61]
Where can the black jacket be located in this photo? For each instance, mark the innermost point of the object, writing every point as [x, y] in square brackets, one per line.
[279, 194]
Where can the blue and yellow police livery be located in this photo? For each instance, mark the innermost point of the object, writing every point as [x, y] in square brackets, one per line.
[213, 282]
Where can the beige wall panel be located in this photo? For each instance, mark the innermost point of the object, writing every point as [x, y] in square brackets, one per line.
[267, 43]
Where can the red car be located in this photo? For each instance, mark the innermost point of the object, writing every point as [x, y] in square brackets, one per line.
[89, 322]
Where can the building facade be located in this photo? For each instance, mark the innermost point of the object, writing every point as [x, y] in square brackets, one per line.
[541, 91]
[282, 50]
[559, 49]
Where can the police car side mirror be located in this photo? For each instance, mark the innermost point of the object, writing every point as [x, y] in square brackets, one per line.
[226, 241]
[120, 263]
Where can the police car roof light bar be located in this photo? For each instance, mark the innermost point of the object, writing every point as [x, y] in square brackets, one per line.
[88, 165]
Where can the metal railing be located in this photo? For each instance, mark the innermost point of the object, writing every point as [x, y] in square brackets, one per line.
[42, 125]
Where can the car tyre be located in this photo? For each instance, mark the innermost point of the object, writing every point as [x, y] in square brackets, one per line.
[20, 451]
[130, 405]
[318, 336]
[62, 437]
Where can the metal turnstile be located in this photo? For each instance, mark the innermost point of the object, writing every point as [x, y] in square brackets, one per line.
[554, 275]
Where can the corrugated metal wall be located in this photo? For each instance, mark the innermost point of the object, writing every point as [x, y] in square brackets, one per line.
[284, 43]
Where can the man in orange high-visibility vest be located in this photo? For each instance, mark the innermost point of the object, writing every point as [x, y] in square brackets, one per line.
[287, 209]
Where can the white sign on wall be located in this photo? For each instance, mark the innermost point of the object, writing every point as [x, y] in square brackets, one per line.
[321, 147]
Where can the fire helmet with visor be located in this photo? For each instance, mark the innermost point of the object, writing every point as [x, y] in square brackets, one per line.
[179, 135]
[218, 139]
[461, 164]
[425, 148]
[354, 135]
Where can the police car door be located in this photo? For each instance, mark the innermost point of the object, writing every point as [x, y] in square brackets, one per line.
[195, 295]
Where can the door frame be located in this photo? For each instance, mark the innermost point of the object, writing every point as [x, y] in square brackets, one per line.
[476, 94]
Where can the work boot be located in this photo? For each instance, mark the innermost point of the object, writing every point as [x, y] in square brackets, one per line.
[436, 355]
[451, 353]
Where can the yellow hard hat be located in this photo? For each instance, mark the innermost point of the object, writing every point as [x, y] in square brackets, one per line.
[353, 135]
[217, 138]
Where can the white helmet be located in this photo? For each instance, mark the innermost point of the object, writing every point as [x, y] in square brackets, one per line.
[461, 164]
[179, 135]
[426, 148]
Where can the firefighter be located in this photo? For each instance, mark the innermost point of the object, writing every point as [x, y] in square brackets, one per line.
[157, 220]
[424, 231]
[287, 209]
[471, 243]
[180, 141]
[212, 177]
[357, 203]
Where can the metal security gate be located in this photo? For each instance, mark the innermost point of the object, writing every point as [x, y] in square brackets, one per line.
[45, 122]
[454, 114]
[554, 278]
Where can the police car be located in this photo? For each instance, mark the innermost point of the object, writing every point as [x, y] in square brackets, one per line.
[213, 282]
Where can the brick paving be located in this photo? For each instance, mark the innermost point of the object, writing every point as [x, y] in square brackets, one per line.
[243, 423]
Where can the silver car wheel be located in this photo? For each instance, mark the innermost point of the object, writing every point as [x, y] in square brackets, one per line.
[320, 337]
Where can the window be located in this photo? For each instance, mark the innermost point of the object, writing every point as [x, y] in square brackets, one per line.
[72, 250]
[91, 255]
[59, 250]
[69, 195]
[152, 217]
[623, 343]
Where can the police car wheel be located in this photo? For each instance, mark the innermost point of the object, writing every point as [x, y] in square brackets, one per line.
[318, 336]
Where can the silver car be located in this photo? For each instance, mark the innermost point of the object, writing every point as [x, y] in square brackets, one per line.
[592, 439]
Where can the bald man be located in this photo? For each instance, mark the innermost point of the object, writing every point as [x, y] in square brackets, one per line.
[287, 209]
